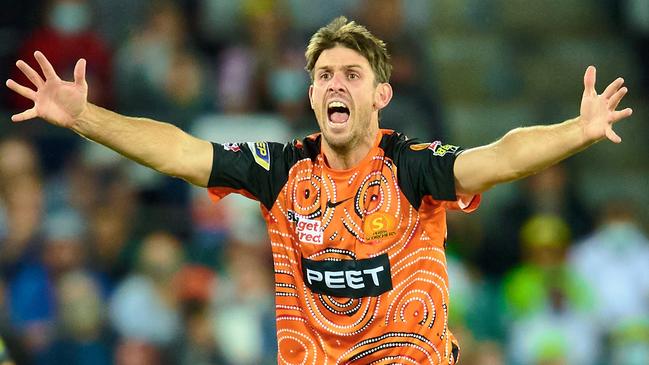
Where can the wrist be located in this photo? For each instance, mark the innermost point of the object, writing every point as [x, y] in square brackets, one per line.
[80, 123]
[586, 137]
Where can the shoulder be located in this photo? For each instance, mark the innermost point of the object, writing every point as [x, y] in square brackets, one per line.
[397, 145]
[306, 148]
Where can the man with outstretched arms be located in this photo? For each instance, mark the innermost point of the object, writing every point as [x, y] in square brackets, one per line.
[355, 213]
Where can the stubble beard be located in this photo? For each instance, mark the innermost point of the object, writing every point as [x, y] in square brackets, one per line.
[357, 134]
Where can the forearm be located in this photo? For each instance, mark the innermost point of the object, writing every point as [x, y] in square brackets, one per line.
[157, 145]
[525, 151]
[519, 153]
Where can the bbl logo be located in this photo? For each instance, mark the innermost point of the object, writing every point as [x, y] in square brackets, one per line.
[437, 147]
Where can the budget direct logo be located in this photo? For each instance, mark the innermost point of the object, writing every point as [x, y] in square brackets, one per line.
[309, 231]
[378, 226]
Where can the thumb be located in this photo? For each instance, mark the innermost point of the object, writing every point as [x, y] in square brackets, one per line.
[80, 72]
[589, 81]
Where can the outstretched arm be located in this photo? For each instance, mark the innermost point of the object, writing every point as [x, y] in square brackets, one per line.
[158, 145]
[525, 151]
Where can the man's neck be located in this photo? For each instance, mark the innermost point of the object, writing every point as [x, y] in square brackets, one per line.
[344, 159]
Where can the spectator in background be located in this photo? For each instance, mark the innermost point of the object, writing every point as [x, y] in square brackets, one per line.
[218, 23]
[136, 352]
[144, 306]
[551, 348]
[17, 20]
[615, 263]
[116, 19]
[472, 309]
[100, 190]
[74, 185]
[244, 319]
[158, 66]
[82, 337]
[21, 212]
[32, 289]
[544, 280]
[111, 248]
[10, 347]
[549, 307]
[286, 82]
[415, 107]
[5, 358]
[243, 66]
[21, 204]
[308, 16]
[483, 353]
[635, 13]
[551, 191]
[66, 35]
[196, 286]
[264, 70]
[17, 157]
[630, 342]
[477, 298]
[23, 242]
[211, 229]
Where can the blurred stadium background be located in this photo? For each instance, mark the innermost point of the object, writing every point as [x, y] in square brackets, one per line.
[104, 262]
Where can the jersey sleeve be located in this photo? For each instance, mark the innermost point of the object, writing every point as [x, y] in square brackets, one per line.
[426, 169]
[257, 170]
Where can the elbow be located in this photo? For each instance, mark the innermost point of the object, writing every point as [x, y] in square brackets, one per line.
[173, 163]
[168, 168]
[512, 173]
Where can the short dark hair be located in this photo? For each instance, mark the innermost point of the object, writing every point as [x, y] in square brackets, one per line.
[353, 36]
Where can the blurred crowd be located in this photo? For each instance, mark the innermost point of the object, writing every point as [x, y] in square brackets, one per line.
[104, 262]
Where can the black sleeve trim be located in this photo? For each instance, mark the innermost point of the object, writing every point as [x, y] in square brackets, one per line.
[259, 168]
[422, 168]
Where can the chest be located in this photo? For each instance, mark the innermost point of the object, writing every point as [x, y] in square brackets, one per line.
[361, 213]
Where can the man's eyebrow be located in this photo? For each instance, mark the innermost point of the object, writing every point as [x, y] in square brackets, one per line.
[346, 67]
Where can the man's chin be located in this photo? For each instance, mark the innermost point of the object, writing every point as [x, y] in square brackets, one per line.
[339, 141]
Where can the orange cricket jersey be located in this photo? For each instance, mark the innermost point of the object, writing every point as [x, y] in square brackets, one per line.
[359, 260]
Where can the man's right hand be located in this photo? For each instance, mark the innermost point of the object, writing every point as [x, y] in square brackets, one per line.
[57, 101]
[161, 146]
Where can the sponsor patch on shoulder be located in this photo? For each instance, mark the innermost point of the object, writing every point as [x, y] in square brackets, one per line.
[261, 154]
[437, 147]
[440, 149]
[232, 147]
[419, 146]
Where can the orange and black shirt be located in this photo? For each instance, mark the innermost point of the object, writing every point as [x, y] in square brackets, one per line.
[359, 260]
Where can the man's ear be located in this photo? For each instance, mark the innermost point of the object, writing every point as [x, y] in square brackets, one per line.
[382, 95]
[311, 96]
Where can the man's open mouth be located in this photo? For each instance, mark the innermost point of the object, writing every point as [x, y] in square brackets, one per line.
[338, 112]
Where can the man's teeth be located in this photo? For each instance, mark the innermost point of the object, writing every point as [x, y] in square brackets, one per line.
[337, 104]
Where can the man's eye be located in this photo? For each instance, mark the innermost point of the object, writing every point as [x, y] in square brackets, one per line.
[325, 76]
[352, 76]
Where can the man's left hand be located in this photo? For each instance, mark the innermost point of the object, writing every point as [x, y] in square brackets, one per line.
[597, 112]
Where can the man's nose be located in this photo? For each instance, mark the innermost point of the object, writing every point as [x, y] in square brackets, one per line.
[337, 82]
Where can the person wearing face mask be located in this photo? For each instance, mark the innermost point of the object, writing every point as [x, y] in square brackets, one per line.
[356, 214]
[614, 262]
[67, 34]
